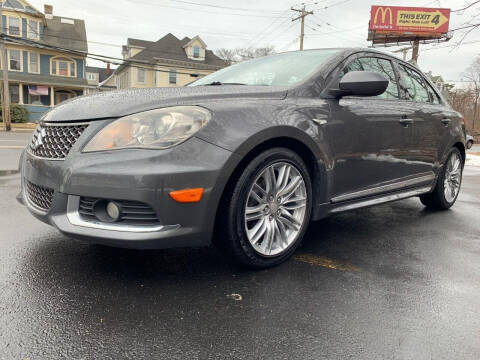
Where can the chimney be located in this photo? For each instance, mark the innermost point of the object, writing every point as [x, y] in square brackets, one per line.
[48, 10]
[108, 69]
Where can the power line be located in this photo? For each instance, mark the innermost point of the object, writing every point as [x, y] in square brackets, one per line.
[29, 41]
[333, 4]
[466, 27]
[334, 34]
[271, 32]
[451, 46]
[289, 44]
[466, 7]
[103, 58]
[266, 28]
[199, 10]
[223, 7]
[334, 26]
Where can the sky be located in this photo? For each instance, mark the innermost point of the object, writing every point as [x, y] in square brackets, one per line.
[231, 24]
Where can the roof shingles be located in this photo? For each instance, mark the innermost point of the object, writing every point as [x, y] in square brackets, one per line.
[65, 35]
[171, 48]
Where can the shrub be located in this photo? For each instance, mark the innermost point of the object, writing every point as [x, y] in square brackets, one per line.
[18, 114]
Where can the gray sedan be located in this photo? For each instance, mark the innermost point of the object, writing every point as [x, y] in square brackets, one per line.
[245, 157]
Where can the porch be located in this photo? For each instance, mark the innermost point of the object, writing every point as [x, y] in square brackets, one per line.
[39, 93]
[38, 99]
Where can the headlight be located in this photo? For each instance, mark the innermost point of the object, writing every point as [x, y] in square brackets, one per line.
[153, 129]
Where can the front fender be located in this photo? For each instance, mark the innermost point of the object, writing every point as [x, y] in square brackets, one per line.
[245, 129]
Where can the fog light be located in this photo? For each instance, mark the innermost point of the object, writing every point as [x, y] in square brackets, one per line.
[113, 210]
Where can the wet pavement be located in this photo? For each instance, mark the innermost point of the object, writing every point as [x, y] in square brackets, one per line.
[394, 281]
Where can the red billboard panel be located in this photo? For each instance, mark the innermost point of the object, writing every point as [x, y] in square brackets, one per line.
[409, 19]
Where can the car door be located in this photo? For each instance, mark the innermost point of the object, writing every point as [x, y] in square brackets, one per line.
[432, 118]
[369, 137]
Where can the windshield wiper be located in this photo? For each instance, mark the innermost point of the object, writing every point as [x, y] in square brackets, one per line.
[217, 83]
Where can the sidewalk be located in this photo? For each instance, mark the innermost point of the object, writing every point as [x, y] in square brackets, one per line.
[20, 127]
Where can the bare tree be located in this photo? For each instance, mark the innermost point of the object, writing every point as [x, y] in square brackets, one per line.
[462, 101]
[227, 55]
[241, 54]
[472, 24]
[473, 76]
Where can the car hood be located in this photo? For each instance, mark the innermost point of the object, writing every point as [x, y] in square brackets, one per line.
[112, 104]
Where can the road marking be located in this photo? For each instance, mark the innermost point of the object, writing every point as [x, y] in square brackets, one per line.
[11, 147]
[325, 262]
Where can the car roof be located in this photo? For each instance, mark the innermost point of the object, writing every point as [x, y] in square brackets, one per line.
[347, 51]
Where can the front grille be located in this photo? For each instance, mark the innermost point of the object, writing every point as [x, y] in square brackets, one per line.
[55, 141]
[39, 196]
[133, 212]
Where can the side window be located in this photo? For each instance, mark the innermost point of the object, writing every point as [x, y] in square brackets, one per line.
[434, 99]
[355, 65]
[378, 65]
[413, 85]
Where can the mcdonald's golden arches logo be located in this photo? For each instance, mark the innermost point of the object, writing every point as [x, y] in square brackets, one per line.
[384, 13]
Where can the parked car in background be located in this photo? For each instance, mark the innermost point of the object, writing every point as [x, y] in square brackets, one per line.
[469, 142]
[245, 156]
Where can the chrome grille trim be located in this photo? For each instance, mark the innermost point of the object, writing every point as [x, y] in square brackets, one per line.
[39, 196]
[53, 141]
[75, 219]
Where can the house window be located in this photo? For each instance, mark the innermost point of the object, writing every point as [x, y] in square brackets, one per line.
[172, 76]
[140, 76]
[14, 26]
[34, 99]
[196, 52]
[33, 66]
[14, 94]
[91, 76]
[33, 31]
[14, 60]
[63, 67]
[63, 95]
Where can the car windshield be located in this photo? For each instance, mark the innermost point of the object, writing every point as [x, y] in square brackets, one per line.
[284, 69]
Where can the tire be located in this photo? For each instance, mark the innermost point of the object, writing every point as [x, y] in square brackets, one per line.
[469, 144]
[252, 225]
[438, 198]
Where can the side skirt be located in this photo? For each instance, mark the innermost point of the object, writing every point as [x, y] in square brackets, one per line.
[378, 195]
[380, 200]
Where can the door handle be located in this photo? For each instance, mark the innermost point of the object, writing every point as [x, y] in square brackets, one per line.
[446, 121]
[405, 121]
[319, 121]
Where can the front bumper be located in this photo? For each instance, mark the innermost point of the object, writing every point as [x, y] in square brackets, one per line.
[147, 176]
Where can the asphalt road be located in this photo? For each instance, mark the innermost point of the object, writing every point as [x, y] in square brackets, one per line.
[390, 282]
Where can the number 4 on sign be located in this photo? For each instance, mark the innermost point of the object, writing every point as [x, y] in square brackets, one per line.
[438, 19]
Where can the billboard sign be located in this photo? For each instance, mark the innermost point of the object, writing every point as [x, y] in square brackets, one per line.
[409, 19]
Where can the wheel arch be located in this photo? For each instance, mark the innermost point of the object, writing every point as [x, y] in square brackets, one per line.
[309, 155]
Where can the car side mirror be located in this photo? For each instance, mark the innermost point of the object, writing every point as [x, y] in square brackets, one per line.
[361, 83]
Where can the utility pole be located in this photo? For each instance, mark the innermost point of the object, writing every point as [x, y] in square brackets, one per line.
[5, 88]
[302, 15]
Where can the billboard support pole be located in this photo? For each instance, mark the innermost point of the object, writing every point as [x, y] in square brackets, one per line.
[416, 45]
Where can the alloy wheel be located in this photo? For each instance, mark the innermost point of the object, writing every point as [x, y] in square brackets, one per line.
[453, 176]
[275, 208]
